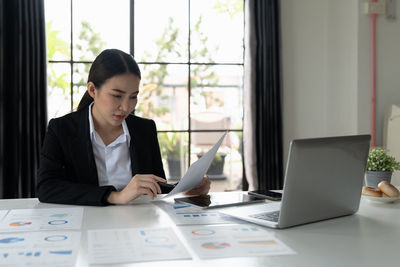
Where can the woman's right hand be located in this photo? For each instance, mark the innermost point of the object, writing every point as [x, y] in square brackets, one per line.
[140, 184]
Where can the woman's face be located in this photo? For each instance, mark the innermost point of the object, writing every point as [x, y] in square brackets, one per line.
[115, 99]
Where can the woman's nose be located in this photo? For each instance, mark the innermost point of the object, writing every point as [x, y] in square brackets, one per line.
[124, 106]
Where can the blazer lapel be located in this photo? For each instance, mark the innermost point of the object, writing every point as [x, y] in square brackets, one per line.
[81, 147]
[133, 149]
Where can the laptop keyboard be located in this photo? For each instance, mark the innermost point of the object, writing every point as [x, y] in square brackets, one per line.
[268, 216]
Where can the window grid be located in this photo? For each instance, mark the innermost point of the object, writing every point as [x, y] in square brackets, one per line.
[132, 52]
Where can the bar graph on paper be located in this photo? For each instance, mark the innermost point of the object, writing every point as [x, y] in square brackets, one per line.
[187, 214]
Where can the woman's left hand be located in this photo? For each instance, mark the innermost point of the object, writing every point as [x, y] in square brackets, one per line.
[202, 188]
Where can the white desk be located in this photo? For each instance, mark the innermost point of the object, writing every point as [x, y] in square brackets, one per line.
[355, 240]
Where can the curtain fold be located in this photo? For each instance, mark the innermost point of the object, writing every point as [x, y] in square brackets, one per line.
[23, 83]
[262, 86]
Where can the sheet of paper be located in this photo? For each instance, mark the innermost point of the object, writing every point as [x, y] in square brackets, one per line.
[197, 170]
[187, 214]
[144, 199]
[2, 214]
[134, 245]
[42, 219]
[235, 240]
[49, 248]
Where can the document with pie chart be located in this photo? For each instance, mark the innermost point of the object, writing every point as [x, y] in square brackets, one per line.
[235, 240]
[18, 220]
[47, 248]
[134, 245]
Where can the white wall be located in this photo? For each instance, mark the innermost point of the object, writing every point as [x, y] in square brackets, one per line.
[326, 66]
[388, 66]
[303, 67]
[341, 67]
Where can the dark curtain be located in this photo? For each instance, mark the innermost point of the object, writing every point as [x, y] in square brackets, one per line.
[23, 109]
[264, 15]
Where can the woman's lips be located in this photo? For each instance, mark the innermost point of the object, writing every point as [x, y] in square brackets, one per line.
[119, 117]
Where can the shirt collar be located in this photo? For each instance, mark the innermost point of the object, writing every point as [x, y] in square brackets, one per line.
[92, 130]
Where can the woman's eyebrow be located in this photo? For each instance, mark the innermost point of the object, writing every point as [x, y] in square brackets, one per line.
[119, 91]
[123, 92]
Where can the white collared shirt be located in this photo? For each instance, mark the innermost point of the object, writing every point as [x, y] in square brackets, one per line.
[113, 162]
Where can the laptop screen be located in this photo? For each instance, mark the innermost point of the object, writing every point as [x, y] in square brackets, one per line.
[324, 178]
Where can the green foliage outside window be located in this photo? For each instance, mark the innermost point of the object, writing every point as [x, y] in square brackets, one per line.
[56, 45]
[89, 45]
[172, 144]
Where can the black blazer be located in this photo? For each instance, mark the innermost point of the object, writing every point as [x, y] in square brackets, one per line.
[68, 173]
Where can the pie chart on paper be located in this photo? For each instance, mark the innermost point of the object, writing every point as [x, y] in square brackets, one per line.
[203, 232]
[215, 245]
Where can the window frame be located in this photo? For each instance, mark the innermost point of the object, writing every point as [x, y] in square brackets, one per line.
[189, 64]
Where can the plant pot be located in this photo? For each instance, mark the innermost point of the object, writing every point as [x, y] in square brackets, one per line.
[373, 178]
[216, 169]
[174, 168]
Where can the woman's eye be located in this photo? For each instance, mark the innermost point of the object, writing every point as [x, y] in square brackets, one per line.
[133, 97]
[116, 96]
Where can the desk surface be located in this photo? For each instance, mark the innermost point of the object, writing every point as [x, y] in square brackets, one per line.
[355, 240]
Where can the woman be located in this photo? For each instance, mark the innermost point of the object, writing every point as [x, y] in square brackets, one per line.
[102, 154]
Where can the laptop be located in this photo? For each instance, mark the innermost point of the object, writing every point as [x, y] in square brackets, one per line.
[323, 180]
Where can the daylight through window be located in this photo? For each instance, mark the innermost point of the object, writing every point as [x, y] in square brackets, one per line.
[191, 56]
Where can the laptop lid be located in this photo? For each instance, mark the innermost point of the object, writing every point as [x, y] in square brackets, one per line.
[324, 178]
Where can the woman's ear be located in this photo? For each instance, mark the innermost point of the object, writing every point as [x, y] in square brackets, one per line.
[91, 89]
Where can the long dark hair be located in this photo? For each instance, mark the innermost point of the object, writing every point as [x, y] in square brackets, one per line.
[109, 63]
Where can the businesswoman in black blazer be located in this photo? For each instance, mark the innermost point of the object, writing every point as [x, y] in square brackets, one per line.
[102, 154]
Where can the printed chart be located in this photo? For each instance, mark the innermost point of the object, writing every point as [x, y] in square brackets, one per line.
[134, 245]
[187, 214]
[41, 219]
[235, 240]
[49, 248]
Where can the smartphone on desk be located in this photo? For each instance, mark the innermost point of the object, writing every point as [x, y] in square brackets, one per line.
[267, 194]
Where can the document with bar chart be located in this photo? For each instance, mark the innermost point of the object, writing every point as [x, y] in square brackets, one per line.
[49, 248]
[187, 214]
[235, 240]
[113, 246]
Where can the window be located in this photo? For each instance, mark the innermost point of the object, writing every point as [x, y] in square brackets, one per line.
[191, 56]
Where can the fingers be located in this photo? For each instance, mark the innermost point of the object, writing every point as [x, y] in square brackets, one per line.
[149, 177]
[151, 184]
[154, 187]
[202, 188]
[190, 192]
[159, 179]
[207, 185]
[139, 192]
[146, 191]
[141, 184]
[150, 181]
[204, 184]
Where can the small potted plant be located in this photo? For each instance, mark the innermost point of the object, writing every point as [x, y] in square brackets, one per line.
[170, 146]
[216, 169]
[380, 167]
